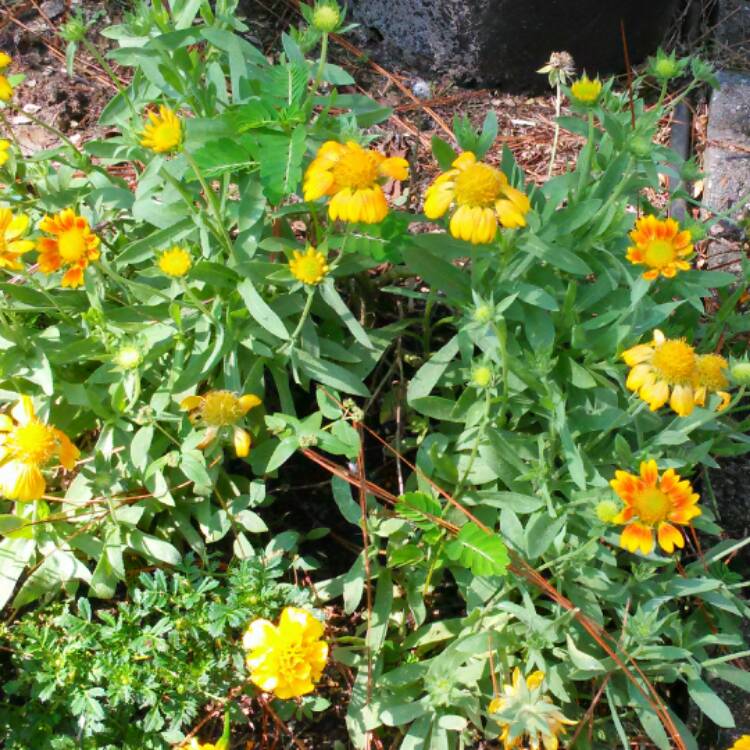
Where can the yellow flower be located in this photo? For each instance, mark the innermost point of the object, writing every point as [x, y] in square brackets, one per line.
[482, 196]
[661, 246]
[73, 245]
[743, 743]
[175, 262]
[6, 89]
[710, 377]
[4, 151]
[286, 660]
[12, 247]
[662, 371]
[5, 60]
[195, 745]
[586, 91]
[309, 267]
[350, 175]
[523, 702]
[162, 132]
[27, 445]
[218, 409]
[652, 503]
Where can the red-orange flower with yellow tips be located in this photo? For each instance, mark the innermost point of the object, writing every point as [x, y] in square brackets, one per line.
[350, 176]
[660, 246]
[72, 246]
[219, 409]
[654, 503]
[27, 445]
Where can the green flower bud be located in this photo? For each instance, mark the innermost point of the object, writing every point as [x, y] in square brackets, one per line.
[483, 314]
[740, 373]
[481, 376]
[606, 511]
[697, 230]
[74, 30]
[326, 17]
[640, 146]
[128, 357]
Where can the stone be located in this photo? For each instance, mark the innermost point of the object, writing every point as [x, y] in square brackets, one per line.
[504, 42]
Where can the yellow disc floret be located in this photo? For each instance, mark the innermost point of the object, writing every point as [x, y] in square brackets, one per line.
[660, 246]
[175, 262]
[309, 267]
[162, 132]
[482, 197]
[27, 445]
[654, 503]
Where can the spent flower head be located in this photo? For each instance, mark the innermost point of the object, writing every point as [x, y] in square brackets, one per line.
[559, 68]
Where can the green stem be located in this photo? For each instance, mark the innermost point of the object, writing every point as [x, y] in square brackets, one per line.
[556, 138]
[97, 55]
[29, 278]
[289, 345]
[475, 447]
[190, 294]
[587, 156]
[211, 202]
[52, 129]
[322, 61]
[9, 129]
[501, 331]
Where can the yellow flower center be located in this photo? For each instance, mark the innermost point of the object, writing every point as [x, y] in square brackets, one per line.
[33, 443]
[165, 136]
[674, 362]
[220, 408]
[478, 185]
[356, 169]
[711, 369]
[652, 505]
[175, 262]
[659, 253]
[292, 661]
[71, 245]
[309, 267]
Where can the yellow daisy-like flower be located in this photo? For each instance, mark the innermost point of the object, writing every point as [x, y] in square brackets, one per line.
[218, 409]
[663, 371]
[654, 503]
[661, 246]
[710, 377]
[4, 151]
[27, 445]
[521, 701]
[309, 267]
[585, 90]
[350, 175]
[743, 743]
[12, 247]
[73, 244]
[286, 660]
[5, 60]
[482, 196]
[162, 132]
[6, 89]
[175, 262]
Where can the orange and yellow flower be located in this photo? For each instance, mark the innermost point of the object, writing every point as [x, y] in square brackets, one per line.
[4, 151]
[663, 371]
[162, 132]
[309, 267]
[710, 377]
[27, 445]
[654, 503]
[660, 246]
[528, 717]
[350, 176]
[482, 196]
[73, 245]
[12, 246]
[218, 409]
[585, 90]
[286, 660]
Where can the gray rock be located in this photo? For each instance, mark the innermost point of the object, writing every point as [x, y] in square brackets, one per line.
[504, 42]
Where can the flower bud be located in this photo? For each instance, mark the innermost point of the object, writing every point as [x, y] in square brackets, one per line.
[740, 373]
[481, 376]
[606, 511]
[482, 314]
[128, 357]
[326, 17]
[74, 30]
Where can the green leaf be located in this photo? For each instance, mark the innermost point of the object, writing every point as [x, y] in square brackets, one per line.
[515, 501]
[328, 373]
[438, 273]
[280, 158]
[14, 555]
[484, 553]
[354, 585]
[342, 495]
[541, 532]
[260, 311]
[583, 661]
[429, 374]
[443, 153]
[419, 508]
[153, 548]
[57, 569]
[333, 299]
[710, 703]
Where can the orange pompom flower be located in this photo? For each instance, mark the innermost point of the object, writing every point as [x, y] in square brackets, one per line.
[654, 503]
[350, 176]
[27, 445]
[73, 245]
[661, 246]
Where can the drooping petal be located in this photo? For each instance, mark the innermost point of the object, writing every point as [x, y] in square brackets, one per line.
[669, 538]
[241, 442]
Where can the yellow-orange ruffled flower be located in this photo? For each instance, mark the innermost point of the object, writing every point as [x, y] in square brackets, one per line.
[524, 697]
[661, 246]
[162, 132]
[175, 262]
[585, 90]
[12, 246]
[482, 196]
[654, 503]
[309, 267]
[27, 445]
[217, 409]
[663, 371]
[286, 660]
[350, 176]
[73, 245]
